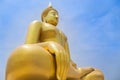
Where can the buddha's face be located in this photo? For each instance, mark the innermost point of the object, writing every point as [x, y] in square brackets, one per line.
[51, 17]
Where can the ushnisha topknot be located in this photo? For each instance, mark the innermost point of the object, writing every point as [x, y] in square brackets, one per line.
[45, 12]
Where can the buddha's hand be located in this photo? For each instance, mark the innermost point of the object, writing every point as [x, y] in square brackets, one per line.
[62, 58]
[84, 71]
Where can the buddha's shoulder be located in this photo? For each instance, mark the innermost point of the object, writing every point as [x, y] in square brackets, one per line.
[36, 22]
[63, 34]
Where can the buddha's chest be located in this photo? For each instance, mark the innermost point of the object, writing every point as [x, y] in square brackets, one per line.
[51, 33]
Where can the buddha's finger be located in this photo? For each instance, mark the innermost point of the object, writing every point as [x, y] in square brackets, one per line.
[62, 64]
[55, 48]
[58, 65]
[66, 64]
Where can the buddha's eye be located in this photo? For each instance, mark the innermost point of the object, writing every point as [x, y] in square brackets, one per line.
[53, 14]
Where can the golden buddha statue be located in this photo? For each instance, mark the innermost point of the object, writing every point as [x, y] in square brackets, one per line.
[45, 54]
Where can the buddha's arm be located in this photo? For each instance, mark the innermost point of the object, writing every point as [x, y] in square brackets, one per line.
[33, 33]
[68, 52]
[67, 49]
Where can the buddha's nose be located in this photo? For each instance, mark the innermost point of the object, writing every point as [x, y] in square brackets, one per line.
[56, 16]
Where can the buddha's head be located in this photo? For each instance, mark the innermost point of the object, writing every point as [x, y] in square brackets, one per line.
[50, 15]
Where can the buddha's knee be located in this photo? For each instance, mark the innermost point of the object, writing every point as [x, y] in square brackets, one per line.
[30, 49]
[95, 75]
[30, 58]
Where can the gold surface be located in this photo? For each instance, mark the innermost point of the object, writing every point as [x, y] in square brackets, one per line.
[45, 54]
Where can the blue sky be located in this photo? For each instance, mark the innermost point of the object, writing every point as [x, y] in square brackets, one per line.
[92, 28]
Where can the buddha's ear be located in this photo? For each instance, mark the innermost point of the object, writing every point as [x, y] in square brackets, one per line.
[44, 19]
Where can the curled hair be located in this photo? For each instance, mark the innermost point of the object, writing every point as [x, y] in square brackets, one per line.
[45, 12]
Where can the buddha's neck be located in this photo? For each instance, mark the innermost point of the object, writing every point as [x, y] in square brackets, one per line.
[48, 24]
